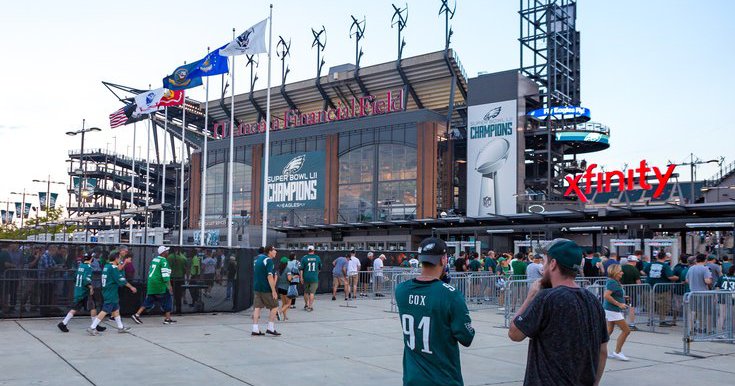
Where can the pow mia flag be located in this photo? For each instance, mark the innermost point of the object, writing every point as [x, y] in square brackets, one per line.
[250, 42]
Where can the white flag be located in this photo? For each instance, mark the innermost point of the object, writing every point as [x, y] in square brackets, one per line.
[250, 42]
[147, 102]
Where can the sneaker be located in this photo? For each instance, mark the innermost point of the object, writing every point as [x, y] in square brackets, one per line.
[346, 299]
[501, 308]
[293, 307]
[487, 299]
[334, 298]
[379, 295]
[664, 324]
[124, 330]
[633, 327]
[92, 331]
[62, 327]
[136, 319]
[306, 307]
[611, 355]
[168, 321]
[100, 328]
[310, 309]
[274, 332]
[621, 356]
[257, 333]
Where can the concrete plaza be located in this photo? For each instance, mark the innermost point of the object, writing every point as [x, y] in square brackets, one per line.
[333, 345]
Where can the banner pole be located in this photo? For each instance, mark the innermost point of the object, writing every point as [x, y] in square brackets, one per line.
[232, 151]
[266, 144]
[163, 184]
[203, 205]
[181, 185]
[132, 182]
[147, 175]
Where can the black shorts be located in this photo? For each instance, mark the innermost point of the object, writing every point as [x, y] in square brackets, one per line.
[97, 296]
[282, 291]
[84, 304]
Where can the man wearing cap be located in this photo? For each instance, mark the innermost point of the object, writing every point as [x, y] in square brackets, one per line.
[311, 264]
[565, 323]
[535, 270]
[158, 290]
[631, 275]
[434, 317]
[659, 272]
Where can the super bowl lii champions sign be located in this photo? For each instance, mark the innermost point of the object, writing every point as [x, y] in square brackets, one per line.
[492, 159]
[296, 181]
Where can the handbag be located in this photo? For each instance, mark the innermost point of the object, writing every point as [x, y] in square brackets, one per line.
[293, 292]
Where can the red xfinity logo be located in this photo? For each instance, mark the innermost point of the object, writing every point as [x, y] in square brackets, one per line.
[625, 180]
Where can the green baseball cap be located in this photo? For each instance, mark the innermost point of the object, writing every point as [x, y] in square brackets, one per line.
[284, 259]
[566, 253]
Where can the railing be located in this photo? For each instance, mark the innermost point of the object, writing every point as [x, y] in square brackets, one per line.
[721, 174]
[709, 316]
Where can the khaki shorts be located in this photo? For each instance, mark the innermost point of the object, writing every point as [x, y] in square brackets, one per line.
[310, 288]
[265, 300]
[337, 280]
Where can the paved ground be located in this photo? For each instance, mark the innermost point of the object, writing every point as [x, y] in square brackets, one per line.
[331, 346]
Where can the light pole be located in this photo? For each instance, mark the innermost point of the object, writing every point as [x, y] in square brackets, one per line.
[82, 163]
[48, 190]
[23, 204]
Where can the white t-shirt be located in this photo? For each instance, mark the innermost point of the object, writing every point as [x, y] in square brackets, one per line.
[378, 267]
[353, 266]
[413, 263]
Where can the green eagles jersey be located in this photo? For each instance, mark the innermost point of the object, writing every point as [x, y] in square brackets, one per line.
[726, 283]
[434, 318]
[311, 265]
[112, 279]
[263, 266]
[159, 274]
[475, 265]
[658, 273]
[82, 281]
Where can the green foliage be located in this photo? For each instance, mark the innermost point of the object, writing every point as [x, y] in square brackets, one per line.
[12, 232]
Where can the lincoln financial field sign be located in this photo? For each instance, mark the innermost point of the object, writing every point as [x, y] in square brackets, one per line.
[296, 181]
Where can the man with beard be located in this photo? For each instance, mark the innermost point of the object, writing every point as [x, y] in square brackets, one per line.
[565, 324]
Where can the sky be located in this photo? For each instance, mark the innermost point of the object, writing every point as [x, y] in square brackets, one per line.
[656, 72]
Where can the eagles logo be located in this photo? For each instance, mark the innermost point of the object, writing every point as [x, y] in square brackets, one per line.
[487, 201]
[492, 113]
[294, 165]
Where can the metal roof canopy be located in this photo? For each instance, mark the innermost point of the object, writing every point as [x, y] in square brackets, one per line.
[666, 217]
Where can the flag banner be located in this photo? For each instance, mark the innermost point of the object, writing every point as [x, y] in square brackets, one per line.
[42, 200]
[3, 216]
[10, 217]
[52, 200]
[125, 116]
[147, 102]
[171, 98]
[212, 64]
[27, 210]
[89, 185]
[182, 78]
[250, 42]
[17, 208]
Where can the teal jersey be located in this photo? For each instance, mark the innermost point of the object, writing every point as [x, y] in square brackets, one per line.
[475, 265]
[262, 267]
[434, 318]
[658, 272]
[726, 283]
[618, 293]
[311, 265]
[112, 279]
[83, 280]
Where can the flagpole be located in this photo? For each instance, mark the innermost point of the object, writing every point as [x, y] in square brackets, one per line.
[183, 143]
[132, 182]
[147, 176]
[163, 184]
[267, 131]
[232, 151]
[203, 205]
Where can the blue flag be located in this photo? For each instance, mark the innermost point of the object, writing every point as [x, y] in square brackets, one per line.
[183, 77]
[212, 64]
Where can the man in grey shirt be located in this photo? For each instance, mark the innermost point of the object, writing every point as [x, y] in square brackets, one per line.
[699, 276]
[714, 268]
[535, 270]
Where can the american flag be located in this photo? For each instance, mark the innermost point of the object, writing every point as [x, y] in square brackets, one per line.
[124, 116]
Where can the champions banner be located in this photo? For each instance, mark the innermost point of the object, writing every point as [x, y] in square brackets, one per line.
[296, 181]
[89, 185]
[492, 159]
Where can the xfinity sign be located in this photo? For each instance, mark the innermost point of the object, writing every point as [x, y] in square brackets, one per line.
[581, 185]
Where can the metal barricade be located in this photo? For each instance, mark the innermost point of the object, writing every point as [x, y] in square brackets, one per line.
[515, 292]
[597, 290]
[397, 279]
[639, 298]
[709, 316]
[666, 304]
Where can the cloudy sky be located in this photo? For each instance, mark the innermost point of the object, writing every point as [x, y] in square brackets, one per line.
[657, 72]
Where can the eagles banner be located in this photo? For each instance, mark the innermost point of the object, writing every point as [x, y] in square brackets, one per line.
[17, 209]
[183, 77]
[42, 200]
[296, 181]
[3, 216]
[52, 201]
[250, 42]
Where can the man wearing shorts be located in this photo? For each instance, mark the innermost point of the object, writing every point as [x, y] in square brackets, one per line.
[339, 276]
[264, 291]
[159, 290]
[112, 280]
[311, 264]
[353, 271]
[83, 295]
[366, 263]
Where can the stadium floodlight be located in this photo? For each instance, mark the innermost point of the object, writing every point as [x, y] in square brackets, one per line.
[585, 229]
[710, 225]
[491, 231]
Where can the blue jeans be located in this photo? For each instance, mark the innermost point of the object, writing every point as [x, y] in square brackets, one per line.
[230, 284]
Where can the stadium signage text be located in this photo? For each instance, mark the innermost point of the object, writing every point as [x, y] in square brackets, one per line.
[625, 180]
[356, 108]
[560, 112]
